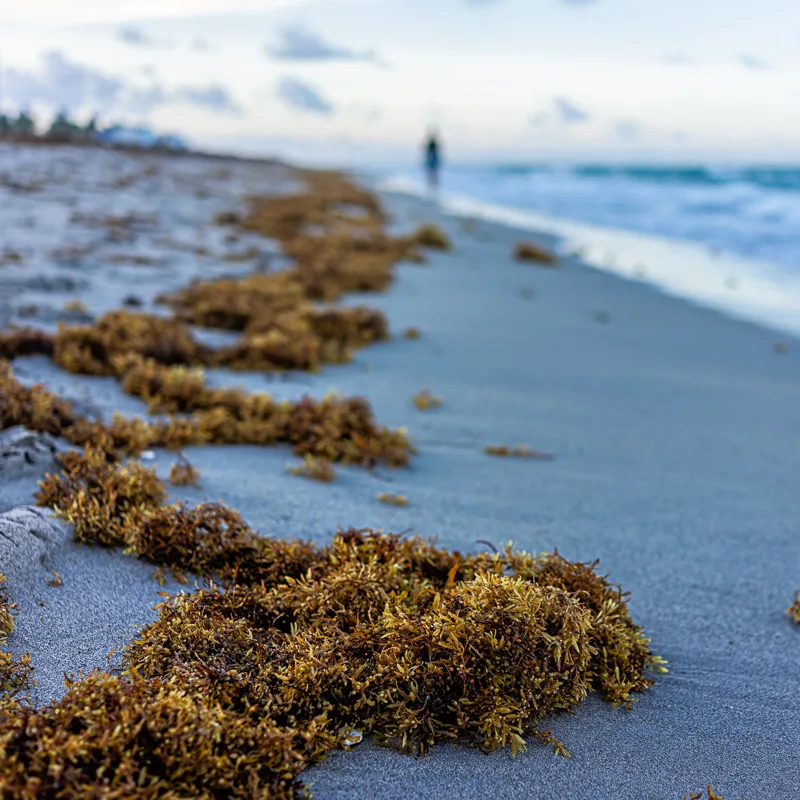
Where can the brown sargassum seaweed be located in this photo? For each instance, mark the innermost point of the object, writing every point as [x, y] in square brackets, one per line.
[336, 429]
[334, 234]
[527, 251]
[15, 672]
[794, 609]
[290, 647]
[708, 794]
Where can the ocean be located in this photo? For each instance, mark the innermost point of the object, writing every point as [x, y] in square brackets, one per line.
[741, 226]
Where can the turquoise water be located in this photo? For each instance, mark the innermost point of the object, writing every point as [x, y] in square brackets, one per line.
[748, 211]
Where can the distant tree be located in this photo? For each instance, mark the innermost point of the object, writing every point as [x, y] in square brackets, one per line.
[23, 125]
[5, 125]
[90, 131]
[63, 129]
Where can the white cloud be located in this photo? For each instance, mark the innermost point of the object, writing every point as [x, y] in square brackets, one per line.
[65, 84]
[628, 130]
[296, 43]
[677, 59]
[214, 98]
[752, 62]
[488, 70]
[568, 112]
[132, 35]
[301, 96]
[82, 12]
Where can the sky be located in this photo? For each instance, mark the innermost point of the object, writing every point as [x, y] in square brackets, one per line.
[360, 81]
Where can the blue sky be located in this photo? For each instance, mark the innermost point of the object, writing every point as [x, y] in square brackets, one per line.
[360, 80]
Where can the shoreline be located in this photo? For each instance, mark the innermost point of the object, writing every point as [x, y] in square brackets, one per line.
[747, 289]
[669, 426]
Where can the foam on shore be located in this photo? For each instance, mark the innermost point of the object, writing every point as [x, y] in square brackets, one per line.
[747, 289]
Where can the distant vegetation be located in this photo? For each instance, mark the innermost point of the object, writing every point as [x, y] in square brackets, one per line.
[62, 130]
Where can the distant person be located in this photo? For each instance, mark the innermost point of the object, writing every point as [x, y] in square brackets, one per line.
[433, 159]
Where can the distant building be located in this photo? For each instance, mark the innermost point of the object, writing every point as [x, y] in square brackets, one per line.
[139, 137]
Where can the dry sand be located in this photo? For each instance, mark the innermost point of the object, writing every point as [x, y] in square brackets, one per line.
[674, 431]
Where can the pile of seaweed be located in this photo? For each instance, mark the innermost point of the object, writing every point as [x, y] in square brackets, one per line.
[300, 338]
[334, 428]
[794, 609]
[290, 650]
[15, 672]
[334, 233]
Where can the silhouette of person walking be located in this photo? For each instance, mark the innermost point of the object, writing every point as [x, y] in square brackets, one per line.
[433, 158]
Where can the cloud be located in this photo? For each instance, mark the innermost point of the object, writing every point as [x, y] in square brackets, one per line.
[298, 44]
[201, 46]
[628, 130]
[677, 59]
[94, 12]
[63, 84]
[66, 84]
[558, 2]
[301, 96]
[143, 100]
[568, 112]
[214, 98]
[135, 36]
[361, 111]
[563, 112]
[680, 136]
[752, 62]
[539, 120]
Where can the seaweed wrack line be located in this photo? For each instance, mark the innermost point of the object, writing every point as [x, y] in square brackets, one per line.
[333, 252]
[289, 647]
[159, 360]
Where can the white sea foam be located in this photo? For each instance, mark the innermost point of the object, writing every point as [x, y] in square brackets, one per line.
[747, 289]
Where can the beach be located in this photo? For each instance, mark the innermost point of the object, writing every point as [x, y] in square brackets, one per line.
[673, 434]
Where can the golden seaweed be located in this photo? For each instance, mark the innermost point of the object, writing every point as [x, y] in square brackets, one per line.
[316, 469]
[425, 401]
[527, 251]
[520, 451]
[794, 609]
[393, 499]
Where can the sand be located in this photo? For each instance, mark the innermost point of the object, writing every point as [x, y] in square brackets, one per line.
[674, 433]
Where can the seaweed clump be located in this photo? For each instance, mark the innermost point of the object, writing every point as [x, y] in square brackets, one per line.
[116, 737]
[333, 428]
[183, 473]
[239, 686]
[101, 499]
[393, 499]
[520, 451]
[315, 469]
[527, 251]
[15, 671]
[425, 400]
[794, 609]
[708, 794]
[433, 237]
[334, 233]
